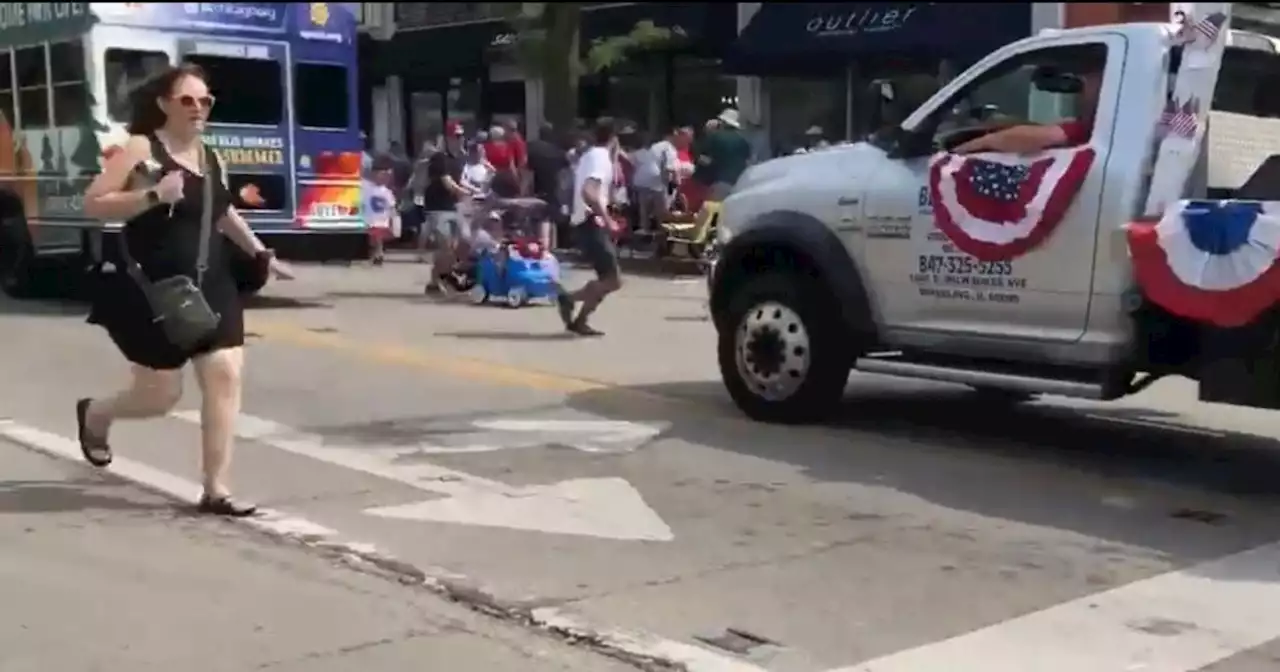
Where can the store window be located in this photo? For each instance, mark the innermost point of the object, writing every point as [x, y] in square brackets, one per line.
[700, 91]
[796, 105]
[427, 121]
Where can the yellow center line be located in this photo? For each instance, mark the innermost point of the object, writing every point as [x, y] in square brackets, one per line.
[451, 365]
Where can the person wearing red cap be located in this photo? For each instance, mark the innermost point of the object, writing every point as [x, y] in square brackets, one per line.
[440, 202]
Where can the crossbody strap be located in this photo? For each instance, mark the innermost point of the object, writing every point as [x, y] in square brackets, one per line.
[206, 215]
[134, 269]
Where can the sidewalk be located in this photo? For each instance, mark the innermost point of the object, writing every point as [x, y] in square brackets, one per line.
[96, 574]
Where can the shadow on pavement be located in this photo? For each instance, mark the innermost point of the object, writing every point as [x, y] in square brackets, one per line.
[412, 294]
[69, 496]
[957, 450]
[268, 302]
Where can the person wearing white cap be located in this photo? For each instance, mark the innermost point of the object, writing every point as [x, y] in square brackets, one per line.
[724, 156]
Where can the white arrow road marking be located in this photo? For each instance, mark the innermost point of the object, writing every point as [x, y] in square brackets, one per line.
[598, 436]
[606, 508]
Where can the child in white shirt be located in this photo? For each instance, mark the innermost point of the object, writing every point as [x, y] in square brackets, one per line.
[378, 204]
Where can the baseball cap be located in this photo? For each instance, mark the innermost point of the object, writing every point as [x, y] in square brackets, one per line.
[383, 162]
[452, 128]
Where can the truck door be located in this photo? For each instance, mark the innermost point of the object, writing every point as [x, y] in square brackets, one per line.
[1041, 293]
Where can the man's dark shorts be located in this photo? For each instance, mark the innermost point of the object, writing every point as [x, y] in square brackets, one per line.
[597, 249]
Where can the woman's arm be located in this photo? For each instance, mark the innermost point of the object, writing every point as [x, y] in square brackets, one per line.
[109, 198]
[234, 227]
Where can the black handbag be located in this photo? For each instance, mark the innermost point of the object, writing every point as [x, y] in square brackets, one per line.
[177, 303]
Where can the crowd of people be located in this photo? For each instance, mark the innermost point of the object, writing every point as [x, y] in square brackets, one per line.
[441, 193]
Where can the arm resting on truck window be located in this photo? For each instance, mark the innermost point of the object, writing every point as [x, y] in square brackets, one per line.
[1027, 139]
[109, 198]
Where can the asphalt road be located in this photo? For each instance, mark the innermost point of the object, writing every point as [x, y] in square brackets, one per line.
[607, 488]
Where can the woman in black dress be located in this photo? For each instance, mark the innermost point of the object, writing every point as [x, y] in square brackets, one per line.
[156, 186]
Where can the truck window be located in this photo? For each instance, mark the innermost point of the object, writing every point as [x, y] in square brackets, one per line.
[1005, 95]
[70, 90]
[33, 87]
[125, 69]
[261, 104]
[320, 96]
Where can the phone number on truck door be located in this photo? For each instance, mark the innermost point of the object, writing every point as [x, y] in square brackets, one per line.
[963, 265]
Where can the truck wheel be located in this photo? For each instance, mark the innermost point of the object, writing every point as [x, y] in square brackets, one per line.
[17, 261]
[782, 358]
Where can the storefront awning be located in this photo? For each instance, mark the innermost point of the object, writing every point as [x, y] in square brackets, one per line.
[798, 38]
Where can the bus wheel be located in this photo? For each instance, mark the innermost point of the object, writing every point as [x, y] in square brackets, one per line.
[17, 260]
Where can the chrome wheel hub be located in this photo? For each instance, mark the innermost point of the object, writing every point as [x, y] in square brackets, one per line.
[772, 351]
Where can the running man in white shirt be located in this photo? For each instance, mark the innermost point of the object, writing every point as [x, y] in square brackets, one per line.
[593, 229]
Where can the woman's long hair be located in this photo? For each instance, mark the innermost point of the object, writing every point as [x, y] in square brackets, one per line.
[145, 116]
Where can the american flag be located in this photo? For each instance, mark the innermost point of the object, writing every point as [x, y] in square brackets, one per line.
[1210, 26]
[1184, 122]
[997, 181]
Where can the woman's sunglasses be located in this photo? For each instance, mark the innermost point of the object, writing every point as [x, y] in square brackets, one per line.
[191, 102]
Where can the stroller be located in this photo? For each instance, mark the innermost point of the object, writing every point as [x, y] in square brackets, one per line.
[507, 260]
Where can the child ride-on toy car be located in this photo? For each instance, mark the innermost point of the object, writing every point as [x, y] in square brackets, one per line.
[517, 272]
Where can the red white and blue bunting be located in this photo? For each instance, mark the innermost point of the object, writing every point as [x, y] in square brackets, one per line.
[1210, 261]
[998, 207]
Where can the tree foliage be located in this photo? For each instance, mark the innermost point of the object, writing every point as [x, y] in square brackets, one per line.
[548, 46]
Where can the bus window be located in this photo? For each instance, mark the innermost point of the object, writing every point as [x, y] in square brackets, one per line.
[70, 91]
[259, 104]
[6, 88]
[33, 87]
[125, 70]
[320, 96]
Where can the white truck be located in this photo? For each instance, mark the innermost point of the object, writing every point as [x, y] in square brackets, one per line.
[1026, 279]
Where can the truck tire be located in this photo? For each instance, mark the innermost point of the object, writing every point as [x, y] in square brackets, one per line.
[18, 272]
[782, 357]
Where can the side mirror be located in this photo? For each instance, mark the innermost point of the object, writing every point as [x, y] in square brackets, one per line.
[984, 112]
[912, 144]
[1052, 80]
[887, 93]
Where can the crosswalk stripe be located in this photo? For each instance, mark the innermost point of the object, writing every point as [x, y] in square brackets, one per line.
[1176, 622]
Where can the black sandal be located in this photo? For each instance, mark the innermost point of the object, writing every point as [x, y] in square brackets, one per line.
[225, 506]
[95, 449]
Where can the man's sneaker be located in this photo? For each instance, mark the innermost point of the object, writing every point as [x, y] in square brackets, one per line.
[584, 329]
[564, 305]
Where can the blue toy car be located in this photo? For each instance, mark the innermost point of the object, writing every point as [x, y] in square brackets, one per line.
[514, 278]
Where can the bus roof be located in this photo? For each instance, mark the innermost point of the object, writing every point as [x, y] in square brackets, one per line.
[24, 23]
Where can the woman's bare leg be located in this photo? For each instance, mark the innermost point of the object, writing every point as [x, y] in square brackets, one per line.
[218, 374]
[151, 393]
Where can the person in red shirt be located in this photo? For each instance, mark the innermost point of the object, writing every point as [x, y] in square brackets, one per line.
[1032, 138]
[500, 153]
[519, 149]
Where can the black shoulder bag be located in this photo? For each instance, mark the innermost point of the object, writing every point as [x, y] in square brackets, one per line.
[177, 302]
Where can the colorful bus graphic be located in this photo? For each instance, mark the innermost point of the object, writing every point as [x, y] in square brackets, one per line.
[285, 123]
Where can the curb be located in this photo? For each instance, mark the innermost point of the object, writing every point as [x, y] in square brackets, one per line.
[643, 650]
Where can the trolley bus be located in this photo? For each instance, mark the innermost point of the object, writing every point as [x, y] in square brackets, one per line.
[284, 125]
